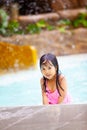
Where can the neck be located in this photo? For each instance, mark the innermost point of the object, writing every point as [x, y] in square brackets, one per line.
[52, 83]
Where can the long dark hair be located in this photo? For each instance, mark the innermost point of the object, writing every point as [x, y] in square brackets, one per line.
[53, 59]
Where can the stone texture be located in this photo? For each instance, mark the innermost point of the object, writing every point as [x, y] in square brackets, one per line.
[47, 117]
[59, 43]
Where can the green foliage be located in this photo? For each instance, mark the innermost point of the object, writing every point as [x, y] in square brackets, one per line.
[64, 22]
[3, 21]
[62, 29]
[81, 20]
[41, 24]
[62, 25]
[14, 28]
[33, 28]
[50, 27]
[44, 25]
[8, 28]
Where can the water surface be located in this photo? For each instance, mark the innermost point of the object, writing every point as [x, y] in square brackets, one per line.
[23, 88]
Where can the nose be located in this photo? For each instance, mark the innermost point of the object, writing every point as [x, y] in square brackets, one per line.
[47, 72]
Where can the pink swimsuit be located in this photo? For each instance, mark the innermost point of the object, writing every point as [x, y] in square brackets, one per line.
[53, 97]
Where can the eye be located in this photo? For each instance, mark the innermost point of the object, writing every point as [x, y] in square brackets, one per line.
[42, 68]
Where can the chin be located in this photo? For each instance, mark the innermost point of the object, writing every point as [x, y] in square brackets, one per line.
[49, 78]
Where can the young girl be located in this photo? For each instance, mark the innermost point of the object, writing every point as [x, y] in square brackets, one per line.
[53, 83]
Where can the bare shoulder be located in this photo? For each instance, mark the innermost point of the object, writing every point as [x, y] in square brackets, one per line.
[61, 78]
[63, 83]
[41, 81]
[42, 84]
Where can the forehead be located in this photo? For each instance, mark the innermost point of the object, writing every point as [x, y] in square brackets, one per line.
[47, 63]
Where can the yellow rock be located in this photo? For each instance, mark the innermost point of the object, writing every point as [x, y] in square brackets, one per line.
[17, 56]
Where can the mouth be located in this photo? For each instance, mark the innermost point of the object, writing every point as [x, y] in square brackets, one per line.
[48, 75]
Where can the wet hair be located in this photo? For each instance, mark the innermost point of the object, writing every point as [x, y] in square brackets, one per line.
[53, 59]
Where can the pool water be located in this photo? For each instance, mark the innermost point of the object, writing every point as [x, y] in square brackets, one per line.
[23, 88]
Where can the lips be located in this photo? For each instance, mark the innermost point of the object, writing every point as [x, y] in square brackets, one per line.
[48, 75]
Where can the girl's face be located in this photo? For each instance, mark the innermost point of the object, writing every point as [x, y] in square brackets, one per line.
[48, 69]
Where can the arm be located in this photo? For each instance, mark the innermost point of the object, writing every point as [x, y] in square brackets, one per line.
[63, 84]
[44, 97]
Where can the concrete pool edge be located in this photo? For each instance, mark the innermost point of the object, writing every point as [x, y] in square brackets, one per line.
[53, 117]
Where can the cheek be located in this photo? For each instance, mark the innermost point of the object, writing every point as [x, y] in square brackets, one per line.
[43, 72]
[54, 71]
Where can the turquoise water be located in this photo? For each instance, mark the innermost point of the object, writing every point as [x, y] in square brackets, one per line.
[23, 88]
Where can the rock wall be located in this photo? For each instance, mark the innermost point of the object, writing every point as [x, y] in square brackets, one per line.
[59, 43]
